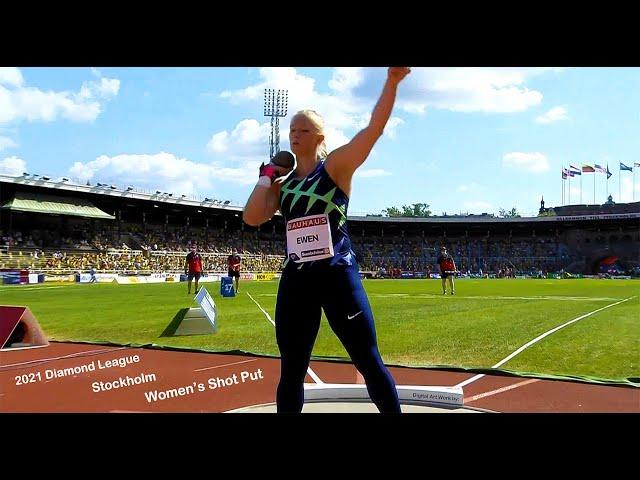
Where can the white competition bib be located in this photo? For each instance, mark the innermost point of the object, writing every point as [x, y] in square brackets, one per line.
[309, 238]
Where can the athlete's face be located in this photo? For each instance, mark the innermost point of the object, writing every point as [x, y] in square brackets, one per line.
[303, 137]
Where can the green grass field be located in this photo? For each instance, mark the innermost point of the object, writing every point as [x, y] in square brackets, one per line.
[482, 324]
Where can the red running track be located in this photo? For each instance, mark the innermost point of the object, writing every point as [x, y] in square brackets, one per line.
[74, 377]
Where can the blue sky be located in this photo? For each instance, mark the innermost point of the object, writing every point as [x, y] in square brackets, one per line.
[460, 139]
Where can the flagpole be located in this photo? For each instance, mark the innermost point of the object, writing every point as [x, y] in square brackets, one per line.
[569, 201]
[619, 185]
[594, 188]
[581, 186]
[607, 174]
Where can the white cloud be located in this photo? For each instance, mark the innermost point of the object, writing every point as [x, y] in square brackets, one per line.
[11, 76]
[283, 78]
[372, 172]
[341, 110]
[248, 140]
[334, 138]
[554, 115]
[347, 102]
[416, 108]
[108, 87]
[6, 142]
[497, 90]
[466, 187]
[162, 171]
[219, 142]
[13, 166]
[477, 206]
[529, 162]
[390, 129]
[345, 79]
[33, 104]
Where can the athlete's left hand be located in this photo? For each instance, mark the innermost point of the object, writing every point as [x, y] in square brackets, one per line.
[396, 74]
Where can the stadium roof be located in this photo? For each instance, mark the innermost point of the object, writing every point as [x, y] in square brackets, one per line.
[105, 191]
[38, 203]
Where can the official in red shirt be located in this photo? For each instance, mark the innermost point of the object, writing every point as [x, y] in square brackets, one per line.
[193, 267]
[447, 270]
[234, 262]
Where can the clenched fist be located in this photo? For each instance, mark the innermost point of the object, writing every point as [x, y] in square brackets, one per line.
[398, 73]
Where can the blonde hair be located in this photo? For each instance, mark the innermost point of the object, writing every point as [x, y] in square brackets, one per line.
[318, 122]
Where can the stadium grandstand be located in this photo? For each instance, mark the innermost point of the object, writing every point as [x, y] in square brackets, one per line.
[61, 229]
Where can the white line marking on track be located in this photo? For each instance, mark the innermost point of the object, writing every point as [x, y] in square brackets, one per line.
[479, 297]
[225, 365]
[538, 338]
[311, 373]
[33, 288]
[495, 297]
[128, 411]
[71, 355]
[500, 390]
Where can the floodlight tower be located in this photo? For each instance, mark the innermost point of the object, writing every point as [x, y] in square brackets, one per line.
[275, 106]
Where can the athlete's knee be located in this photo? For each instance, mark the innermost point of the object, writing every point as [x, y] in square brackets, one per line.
[293, 372]
[368, 362]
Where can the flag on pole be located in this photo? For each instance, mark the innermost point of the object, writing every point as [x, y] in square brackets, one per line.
[636, 164]
[608, 172]
[624, 167]
[599, 169]
[574, 170]
[565, 173]
[588, 169]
